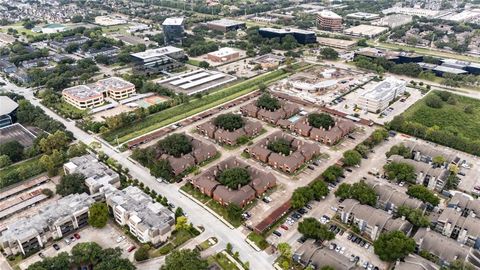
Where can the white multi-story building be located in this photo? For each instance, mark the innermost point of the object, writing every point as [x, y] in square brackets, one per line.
[147, 220]
[379, 97]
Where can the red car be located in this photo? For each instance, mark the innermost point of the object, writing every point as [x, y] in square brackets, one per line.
[284, 227]
[130, 249]
[76, 235]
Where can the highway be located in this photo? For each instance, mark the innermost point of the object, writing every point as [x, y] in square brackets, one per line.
[196, 214]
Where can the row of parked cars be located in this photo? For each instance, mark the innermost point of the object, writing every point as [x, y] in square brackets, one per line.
[358, 240]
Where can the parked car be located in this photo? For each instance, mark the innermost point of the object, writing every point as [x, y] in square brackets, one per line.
[41, 255]
[311, 167]
[56, 247]
[302, 239]
[130, 249]
[120, 238]
[285, 227]
[277, 233]
[72, 239]
[76, 235]
[308, 206]
[67, 241]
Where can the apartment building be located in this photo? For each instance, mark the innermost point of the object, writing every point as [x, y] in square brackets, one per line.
[379, 97]
[147, 220]
[455, 224]
[93, 95]
[97, 175]
[371, 221]
[389, 199]
[56, 220]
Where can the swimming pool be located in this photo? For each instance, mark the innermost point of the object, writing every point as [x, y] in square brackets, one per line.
[294, 118]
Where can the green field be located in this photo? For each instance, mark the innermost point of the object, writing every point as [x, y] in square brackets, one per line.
[195, 106]
[455, 124]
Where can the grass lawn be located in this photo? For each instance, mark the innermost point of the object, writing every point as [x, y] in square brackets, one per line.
[222, 211]
[195, 106]
[436, 53]
[188, 188]
[177, 238]
[450, 117]
[207, 243]
[193, 62]
[258, 239]
[222, 261]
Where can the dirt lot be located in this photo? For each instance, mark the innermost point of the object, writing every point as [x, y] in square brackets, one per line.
[242, 68]
[105, 237]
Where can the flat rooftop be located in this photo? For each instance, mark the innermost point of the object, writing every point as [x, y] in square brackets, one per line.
[363, 15]
[158, 52]
[225, 22]
[173, 21]
[329, 14]
[196, 81]
[382, 89]
[223, 52]
[17, 132]
[286, 30]
[366, 30]
[336, 42]
[8, 105]
[96, 89]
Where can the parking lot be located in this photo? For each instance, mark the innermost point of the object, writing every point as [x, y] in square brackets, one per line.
[106, 237]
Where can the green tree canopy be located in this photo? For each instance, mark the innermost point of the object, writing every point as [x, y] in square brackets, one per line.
[98, 215]
[359, 191]
[332, 173]
[321, 120]
[301, 196]
[176, 145]
[414, 216]
[71, 184]
[351, 158]
[229, 121]
[400, 171]
[329, 53]
[234, 178]
[184, 259]
[312, 228]
[280, 146]
[142, 253]
[12, 149]
[424, 194]
[268, 102]
[320, 189]
[393, 245]
[399, 149]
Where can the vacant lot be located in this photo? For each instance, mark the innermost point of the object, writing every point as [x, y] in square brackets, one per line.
[454, 123]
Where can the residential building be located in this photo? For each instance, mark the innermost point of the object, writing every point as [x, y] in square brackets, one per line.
[7, 67]
[328, 20]
[208, 184]
[111, 51]
[147, 220]
[92, 95]
[389, 199]
[371, 221]
[454, 224]
[314, 254]
[173, 30]
[109, 20]
[8, 111]
[330, 136]
[66, 41]
[226, 25]
[425, 153]
[415, 262]
[250, 129]
[300, 35]
[55, 220]
[286, 110]
[466, 204]
[98, 176]
[433, 178]
[153, 61]
[381, 95]
[223, 55]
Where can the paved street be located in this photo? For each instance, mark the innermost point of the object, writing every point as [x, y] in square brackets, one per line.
[198, 215]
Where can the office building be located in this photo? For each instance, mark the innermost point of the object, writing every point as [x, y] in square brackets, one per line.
[173, 30]
[225, 25]
[147, 220]
[365, 30]
[379, 97]
[301, 36]
[53, 221]
[223, 55]
[8, 111]
[337, 43]
[363, 16]
[395, 20]
[92, 95]
[328, 20]
[153, 61]
[97, 175]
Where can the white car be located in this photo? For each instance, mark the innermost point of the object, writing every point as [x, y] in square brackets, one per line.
[120, 238]
[338, 248]
[342, 250]
[67, 241]
[367, 245]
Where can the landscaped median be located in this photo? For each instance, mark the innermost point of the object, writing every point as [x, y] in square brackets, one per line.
[193, 107]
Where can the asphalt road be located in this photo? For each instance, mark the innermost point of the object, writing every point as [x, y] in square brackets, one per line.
[196, 214]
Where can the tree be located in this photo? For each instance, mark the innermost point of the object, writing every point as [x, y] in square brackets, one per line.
[280, 146]
[424, 194]
[332, 173]
[47, 192]
[234, 212]
[71, 184]
[98, 215]
[161, 168]
[301, 196]
[5, 161]
[204, 64]
[321, 120]
[439, 160]
[329, 53]
[362, 149]
[351, 158]
[379, 135]
[59, 262]
[13, 150]
[312, 228]
[184, 259]
[359, 191]
[268, 102]
[182, 223]
[142, 253]
[414, 216]
[179, 212]
[176, 145]
[87, 253]
[285, 249]
[433, 101]
[362, 42]
[393, 245]
[58, 140]
[320, 189]
[234, 178]
[400, 171]
[229, 121]
[399, 149]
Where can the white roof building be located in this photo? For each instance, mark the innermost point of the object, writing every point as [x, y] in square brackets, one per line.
[380, 96]
[173, 21]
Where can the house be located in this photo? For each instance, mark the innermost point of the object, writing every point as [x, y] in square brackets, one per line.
[250, 110]
[250, 129]
[334, 134]
[180, 164]
[466, 204]
[371, 221]
[286, 110]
